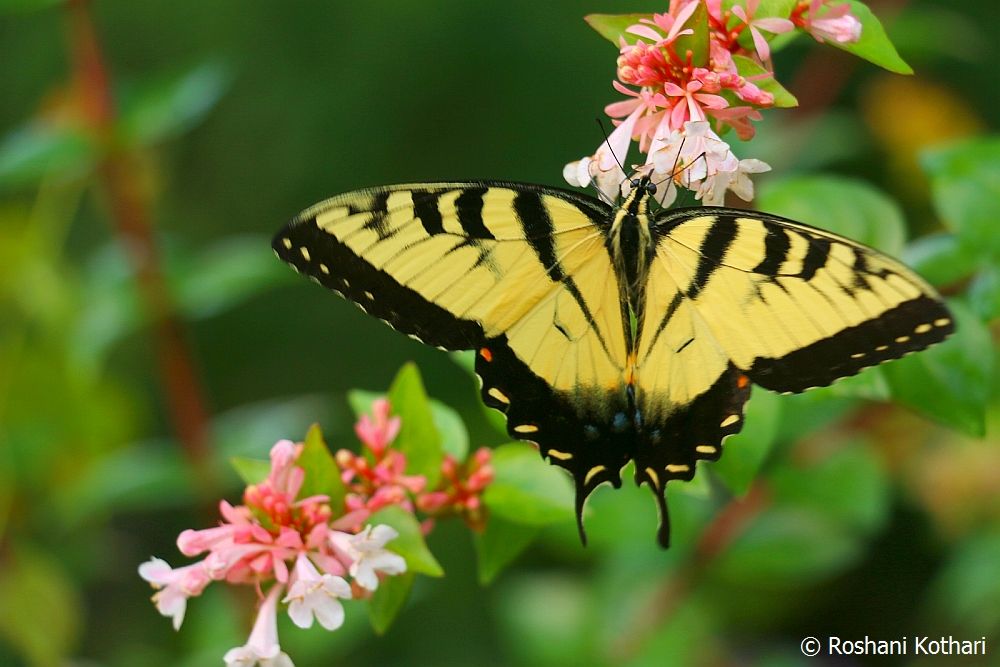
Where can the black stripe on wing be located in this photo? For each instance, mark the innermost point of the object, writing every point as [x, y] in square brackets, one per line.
[713, 250]
[314, 252]
[911, 326]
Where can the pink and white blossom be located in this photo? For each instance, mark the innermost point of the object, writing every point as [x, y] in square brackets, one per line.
[712, 191]
[174, 586]
[262, 646]
[316, 596]
[300, 549]
[378, 431]
[697, 159]
[827, 21]
[774, 25]
[368, 554]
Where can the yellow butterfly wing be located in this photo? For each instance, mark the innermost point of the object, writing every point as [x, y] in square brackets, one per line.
[520, 273]
[738, 296]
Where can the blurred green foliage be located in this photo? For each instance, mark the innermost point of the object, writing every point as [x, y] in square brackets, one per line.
[834, 512]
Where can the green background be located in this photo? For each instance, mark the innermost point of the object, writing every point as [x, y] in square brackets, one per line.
[875, 521]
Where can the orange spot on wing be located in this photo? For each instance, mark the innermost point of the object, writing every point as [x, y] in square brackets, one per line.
[630, 369]
[742, 381]
[486, 354]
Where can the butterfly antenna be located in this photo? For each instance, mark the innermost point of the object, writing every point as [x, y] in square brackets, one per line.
[607, 140]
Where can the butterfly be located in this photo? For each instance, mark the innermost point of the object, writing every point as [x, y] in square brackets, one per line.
[610, 334]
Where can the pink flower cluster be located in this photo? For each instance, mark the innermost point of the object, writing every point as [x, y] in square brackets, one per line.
[375, 478]
[460, 489]
[668, 89]
[309, 557]
[277, 537]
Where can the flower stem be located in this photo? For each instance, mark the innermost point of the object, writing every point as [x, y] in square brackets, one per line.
[129, 207]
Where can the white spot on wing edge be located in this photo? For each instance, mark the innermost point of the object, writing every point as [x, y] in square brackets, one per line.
[596, 470]
[499, 395]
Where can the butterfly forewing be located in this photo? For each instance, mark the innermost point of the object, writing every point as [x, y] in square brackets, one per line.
[519, 273]
[793, 306]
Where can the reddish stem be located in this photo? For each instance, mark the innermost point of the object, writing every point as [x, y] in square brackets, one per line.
[129, 213]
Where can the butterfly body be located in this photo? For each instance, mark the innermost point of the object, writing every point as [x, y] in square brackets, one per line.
[609, 334]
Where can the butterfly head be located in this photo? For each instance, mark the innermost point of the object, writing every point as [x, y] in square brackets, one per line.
[641, 192]
[643, 185]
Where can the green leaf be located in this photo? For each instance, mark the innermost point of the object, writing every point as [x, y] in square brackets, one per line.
[844, 206]
[251, 471]
[29, 154]
[873, 45]
[361, 401]
[410, 544]
[166, 107]
[823, 141]
[965, 183]
[984, 293]
[786, 548]
[769, 8]
[613, 26]
[499, 544]
[940, 258]
[526, 490]
[545, 618]
[764, 79]
[322, 476]
[216, 279]
[454, 435]
[848, 488]
[697, 42]
[809, 412]
[870, 384]
[388, 601]
[743, 453]
[949, 382]
[224, 275]
[418, 437]
[152, 475]
[40, 610]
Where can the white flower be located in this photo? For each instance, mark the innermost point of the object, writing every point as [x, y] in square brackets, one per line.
[712, 191]
[262, 646]
[603, 166]
[368, 555]
[699, 160]
[174, 586]
[314, 595]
